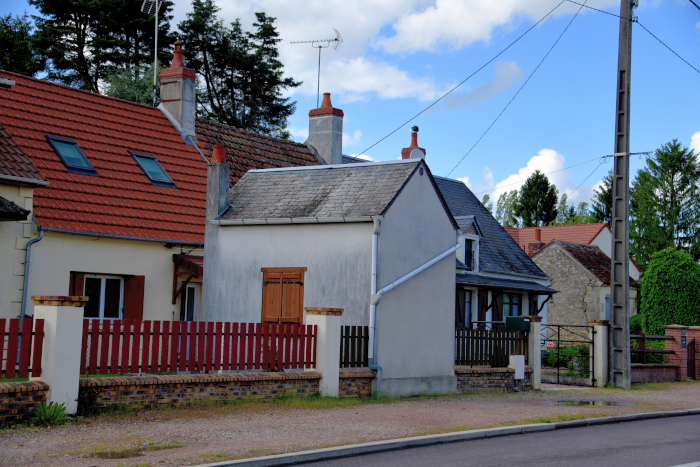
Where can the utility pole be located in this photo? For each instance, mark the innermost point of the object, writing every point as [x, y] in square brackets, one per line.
[619, 340]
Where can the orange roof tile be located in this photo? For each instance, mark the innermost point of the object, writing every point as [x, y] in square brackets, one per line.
[581, 233]
[15, 165]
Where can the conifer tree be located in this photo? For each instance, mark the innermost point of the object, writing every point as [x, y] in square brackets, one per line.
[537, 202]
[17, 51]
[602, 200]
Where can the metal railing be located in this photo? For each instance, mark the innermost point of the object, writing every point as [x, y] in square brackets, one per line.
[642, 349]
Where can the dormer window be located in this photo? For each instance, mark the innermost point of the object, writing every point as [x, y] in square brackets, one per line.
[153, 170]
[72, 156]
[469, 254]
[469, 235]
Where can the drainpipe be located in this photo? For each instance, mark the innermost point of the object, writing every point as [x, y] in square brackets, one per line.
[373, 307]
[27, 259]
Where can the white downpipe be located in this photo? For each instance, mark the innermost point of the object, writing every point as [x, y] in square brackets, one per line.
[373, 287]
[378, 296]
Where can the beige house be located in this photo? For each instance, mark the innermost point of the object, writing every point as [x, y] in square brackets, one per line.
[581, 274]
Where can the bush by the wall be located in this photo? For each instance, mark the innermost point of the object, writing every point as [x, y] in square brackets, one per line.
[670, 290]
[636, 324]
[574, 357]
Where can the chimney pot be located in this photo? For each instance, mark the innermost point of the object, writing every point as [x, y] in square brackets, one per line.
[326, 132]
[413, 151]
[326, 103]
[178, 62]
[178, 97]
[219, 155]
[538, 234]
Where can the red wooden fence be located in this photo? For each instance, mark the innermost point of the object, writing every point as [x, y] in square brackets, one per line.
[19, 348]
[133, 346]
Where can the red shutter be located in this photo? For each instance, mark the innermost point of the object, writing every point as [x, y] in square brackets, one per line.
[133, 297]
[76, 286]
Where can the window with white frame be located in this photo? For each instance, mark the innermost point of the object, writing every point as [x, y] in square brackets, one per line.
[106, 296]
[471, 255]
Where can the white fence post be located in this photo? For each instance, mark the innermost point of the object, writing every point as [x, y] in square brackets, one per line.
[534, 351]
[63, 337]
[600, 351]
[327, 346]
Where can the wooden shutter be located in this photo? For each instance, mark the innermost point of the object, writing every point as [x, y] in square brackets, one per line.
[483, 296]
[459, 308]
[497, 314]
[292, 297]
[76, 286]
[133, 297]
[283, 295]
[272, 297]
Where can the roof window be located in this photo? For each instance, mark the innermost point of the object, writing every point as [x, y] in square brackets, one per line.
[72, 156]
[153, 170]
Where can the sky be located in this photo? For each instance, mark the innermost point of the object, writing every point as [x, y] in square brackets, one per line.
[399, 56]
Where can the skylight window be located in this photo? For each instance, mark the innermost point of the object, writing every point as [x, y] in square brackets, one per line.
[72, 156]
[153, 170]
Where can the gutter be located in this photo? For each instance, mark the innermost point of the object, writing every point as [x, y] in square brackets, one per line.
[24, 180]
[500, 275]
[293, 220]
[25, 283]
[122, 237]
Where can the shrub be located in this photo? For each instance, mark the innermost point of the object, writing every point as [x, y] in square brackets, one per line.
[574, 357]
[669, 291]
[50, 415]
[636, 324]
[87, 402]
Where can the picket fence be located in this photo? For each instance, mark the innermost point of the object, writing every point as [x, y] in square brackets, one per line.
[19, 347]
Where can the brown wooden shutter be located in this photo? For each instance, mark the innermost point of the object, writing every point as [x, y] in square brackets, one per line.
[133, 297]
[483, 296]
[283, 295]
[459, 308]
[292, 297]
[497, 314]
[76, 285]
[272, 297]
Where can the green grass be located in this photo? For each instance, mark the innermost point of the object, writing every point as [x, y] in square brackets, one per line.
[12, 380]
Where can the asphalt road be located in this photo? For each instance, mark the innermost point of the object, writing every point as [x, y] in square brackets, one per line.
[659, 442]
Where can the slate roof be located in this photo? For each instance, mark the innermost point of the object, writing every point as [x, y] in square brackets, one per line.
[15, 165]
[498, 252]
[9, 211]
[583, 233]
[246, 150]
[121, 200]
[590, 257]
[496, 283]
[331, 191]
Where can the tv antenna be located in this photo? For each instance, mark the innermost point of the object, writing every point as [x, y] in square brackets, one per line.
[152, 7]
[321, 44]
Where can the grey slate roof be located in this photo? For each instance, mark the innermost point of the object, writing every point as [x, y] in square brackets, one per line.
[498, 252]
[330, 191]
[495, 283]
[9, 211]
[352, 160]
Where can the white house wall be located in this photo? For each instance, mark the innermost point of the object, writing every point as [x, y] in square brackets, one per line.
[337, 258]
[415, 321]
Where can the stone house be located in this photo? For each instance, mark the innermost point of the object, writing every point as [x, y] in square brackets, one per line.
[581, 274]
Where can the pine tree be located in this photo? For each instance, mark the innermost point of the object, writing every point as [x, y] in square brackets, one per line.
[602, 200]
[537, 201]
[665, 204]
[17, 51]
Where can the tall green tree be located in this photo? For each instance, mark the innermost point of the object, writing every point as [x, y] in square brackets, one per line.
[505, 209]
[133, 84]
[537, 202]
[602, 200]
[241, 77]
[17, 52]
[488, 204]
[665, 204]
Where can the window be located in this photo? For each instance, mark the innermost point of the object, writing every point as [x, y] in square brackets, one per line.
[190, 303]
[468, 255]
[153, 170]
[463, 309]
[106, 296]
[72, 156]
[511, 304]
[283, 295]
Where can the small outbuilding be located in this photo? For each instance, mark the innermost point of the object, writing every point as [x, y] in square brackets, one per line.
[375, 239]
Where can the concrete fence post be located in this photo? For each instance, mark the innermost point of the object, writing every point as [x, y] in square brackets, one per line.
[600, 351]
[327, 346]
[534, 351]
[680, 355]
[60, 359]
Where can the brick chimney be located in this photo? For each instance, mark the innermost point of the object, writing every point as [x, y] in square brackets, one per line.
[326, 132]
[537, 245]
[413, 151]
[177, 94]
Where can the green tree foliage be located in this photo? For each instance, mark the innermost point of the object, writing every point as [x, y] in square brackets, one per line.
[568, 214]
[132, 84]
[241, 77]
[602, 200]
[670, 291]
[488, 204]
[505, 209]
[537, 202]
[665, 204]
[17, 46]
[85, 40]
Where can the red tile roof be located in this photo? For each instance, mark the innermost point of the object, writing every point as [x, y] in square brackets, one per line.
[15, 165]
[246, 150]
[592, 258]
[121, 201]
[581, 233]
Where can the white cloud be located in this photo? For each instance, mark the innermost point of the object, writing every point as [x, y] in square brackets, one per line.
[697, 26]
[349, 140]
[362, 156]
[695, 143]
[298, 134]
[465, 180]
[505, 75]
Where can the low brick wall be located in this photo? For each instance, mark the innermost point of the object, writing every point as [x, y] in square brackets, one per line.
[18, 401]
[653, 372]
[355, 383]
[150, 391]
[483, 379]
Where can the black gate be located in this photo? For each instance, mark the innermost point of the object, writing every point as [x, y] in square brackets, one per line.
[691, 359]
[567, 354]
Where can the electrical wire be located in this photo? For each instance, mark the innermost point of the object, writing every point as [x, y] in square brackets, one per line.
[518, 92]
[465, 79]
[602, 159]
[669, 48]
[696, 5]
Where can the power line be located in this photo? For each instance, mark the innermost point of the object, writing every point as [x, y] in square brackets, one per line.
[465, 80]
[602, 159]
[669, 48]
[596, 9]
[696, 5]
[518, 92]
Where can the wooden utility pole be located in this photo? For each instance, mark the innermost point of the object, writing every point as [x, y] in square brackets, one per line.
[620, 364]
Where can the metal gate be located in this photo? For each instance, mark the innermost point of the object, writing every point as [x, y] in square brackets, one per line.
[691, 359]
[567, 354]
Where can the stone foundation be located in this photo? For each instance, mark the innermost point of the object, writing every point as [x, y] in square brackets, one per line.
[355, 383]
[493, 380]
[653, 372]
[18, 401]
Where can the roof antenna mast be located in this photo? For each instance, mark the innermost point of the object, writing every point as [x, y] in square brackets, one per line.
[151, 7]
[321, 44]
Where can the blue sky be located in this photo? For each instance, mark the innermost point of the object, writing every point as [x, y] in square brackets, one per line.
[398, 56]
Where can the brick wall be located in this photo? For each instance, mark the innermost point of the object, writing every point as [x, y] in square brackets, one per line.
[150, 391]
[18, 401]
[680, 356]
[653, 373]
[355, 383]
[491, 380]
